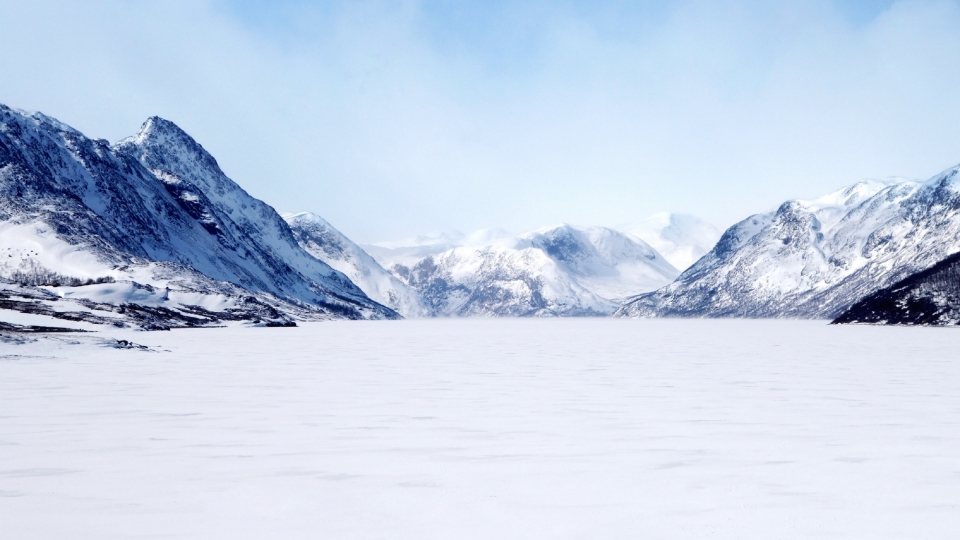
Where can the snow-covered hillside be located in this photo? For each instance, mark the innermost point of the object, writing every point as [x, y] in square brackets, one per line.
[154, 209]
[553, 271]
[329, 245]
[681, 238]
[930, 297]
[815, 258]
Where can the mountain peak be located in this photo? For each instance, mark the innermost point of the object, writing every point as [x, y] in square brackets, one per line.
[849, 196]
[163, 145]
[304, 219]
[157, 129]
[947, 178]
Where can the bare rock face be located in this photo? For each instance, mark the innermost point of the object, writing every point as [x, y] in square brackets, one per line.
[814, 259]
[156, 210]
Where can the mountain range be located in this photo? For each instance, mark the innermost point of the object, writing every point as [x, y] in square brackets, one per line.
[815, 258]
[553, 271]
[149, 232]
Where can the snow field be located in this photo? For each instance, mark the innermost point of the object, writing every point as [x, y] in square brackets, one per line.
[481, 429]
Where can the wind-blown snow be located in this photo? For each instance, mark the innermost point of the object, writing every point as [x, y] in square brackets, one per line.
[480, 429]
[409, 251]
[681, 238]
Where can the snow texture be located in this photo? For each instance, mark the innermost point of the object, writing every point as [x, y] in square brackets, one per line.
[479, 429]
[814, 259]
[154, 209]
[553, 271]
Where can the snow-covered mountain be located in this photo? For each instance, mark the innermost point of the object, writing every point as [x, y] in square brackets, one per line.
[815, 258]
[329, 245]
[930, 297]
[410, 251]
[681, 238]
[154, 209]
[554, 271]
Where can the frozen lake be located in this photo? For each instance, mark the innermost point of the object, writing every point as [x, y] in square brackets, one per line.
[486, 429]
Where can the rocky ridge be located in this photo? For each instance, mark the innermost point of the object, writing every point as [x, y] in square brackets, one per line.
[153, 210]
[815, 258]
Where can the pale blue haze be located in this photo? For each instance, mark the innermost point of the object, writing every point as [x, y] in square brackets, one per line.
[396, 118]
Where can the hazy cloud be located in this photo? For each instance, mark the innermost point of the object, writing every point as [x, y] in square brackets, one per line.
[391, 118]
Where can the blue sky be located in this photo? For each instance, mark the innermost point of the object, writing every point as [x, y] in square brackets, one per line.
[396, 118]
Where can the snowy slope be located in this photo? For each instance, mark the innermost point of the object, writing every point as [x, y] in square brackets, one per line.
[329, 245]
[815, 258]
[554, 271]
[930, 297]
[84, 209]
[681, 238]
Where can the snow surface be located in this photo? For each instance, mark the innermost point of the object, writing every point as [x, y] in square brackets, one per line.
[485, 428]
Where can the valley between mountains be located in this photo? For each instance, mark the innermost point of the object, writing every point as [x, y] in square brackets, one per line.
[149, 233]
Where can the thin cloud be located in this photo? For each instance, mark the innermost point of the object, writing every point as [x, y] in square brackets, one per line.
[393, 118]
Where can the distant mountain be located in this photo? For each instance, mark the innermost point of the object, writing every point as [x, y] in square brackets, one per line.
[930, 297]
[814, 259]
[410, 251]
[329, 245]
[554, 271]
[154, 210]
[681, 238]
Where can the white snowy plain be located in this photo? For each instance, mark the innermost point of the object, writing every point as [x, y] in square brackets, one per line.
[486, 429]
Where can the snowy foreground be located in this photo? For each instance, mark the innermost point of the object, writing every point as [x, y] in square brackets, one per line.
[485, 429]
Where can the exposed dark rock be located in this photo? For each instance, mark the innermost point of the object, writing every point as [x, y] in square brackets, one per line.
[930, 297]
